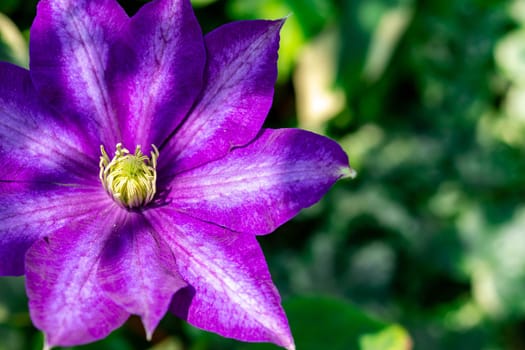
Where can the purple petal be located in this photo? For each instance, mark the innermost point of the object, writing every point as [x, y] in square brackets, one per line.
[158, 70]
[238, 89]
[69, 54]
[65, 299]
[34, 144]
[29, 213]
[260, 186]
[231, 292]
[138, 271]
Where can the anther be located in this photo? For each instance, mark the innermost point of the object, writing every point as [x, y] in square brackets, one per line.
[129, 178]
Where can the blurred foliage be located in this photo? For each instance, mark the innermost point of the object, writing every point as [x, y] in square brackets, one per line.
[426, 248]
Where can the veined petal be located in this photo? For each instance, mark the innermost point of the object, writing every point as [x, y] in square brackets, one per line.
[157, 70]
[35, 145]
[231, 290]
[262, 185]
[138, 272]
[66, 301]
[69, 55]
[28, 213]
[237, 94]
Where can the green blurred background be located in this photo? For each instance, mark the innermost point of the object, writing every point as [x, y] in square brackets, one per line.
[426, 248]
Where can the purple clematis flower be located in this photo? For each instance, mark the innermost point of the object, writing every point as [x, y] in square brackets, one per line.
[136, 173]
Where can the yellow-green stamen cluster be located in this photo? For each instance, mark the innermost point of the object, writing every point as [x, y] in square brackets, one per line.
[129, 178]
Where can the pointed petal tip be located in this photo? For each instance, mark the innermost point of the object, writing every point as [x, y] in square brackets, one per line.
[148, 328]
[284, 18]
[280, 22]
[349, 173]
[285, 339]
[290, 347]
[149, 334]
[275, 24]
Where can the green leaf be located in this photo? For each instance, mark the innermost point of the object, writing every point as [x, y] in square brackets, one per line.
[391, 338]
[326, 323]
[13, 47]
[202, 3]
[322, 323]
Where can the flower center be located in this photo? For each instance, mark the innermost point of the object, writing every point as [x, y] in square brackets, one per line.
[129, 178]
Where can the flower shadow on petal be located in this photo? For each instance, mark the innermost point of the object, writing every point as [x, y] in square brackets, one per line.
[137, 270]
[181, 301]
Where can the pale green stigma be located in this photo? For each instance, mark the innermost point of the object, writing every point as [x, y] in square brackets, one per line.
[129, 178]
